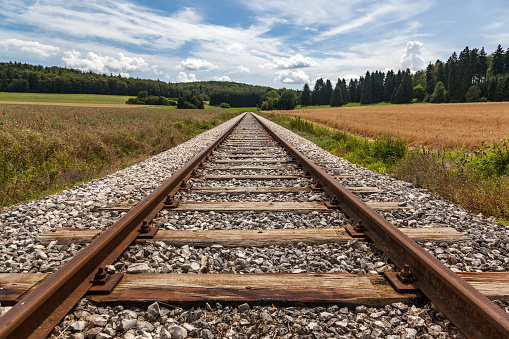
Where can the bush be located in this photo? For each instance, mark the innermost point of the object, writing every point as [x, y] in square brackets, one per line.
[439, 94]
[144, 99]
[287, 100]
[473, 94]
[190, 102]
[224, 105]
[419, 92]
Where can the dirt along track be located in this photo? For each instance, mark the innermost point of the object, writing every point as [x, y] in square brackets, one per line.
[249, 230]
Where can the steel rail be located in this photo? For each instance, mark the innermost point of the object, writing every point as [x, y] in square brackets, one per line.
[472, 312]
[36, 315]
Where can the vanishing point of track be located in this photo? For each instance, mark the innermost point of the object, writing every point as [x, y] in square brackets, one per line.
[40, 311]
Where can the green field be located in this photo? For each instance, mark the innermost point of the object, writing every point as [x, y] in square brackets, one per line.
[64, 98]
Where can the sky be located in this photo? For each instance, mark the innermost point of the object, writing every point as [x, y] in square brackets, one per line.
[277, 43]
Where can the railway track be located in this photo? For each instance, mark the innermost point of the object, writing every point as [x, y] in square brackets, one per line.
[249, 170]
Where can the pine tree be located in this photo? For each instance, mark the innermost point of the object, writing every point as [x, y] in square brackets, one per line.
[318, 92]
[305, 97]
[377, 86]
[389, 86]
[336, 98]
[483, 63]
[497, 65]
[404, 93]
[345, 96]
[430, 78]
[506, 61]
[352, 88]
[366, 90]
[327, 93]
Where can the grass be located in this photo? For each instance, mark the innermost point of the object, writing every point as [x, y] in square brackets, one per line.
[448, 126]
[477, 179]
[379, 155]
[45, 149]
[63, 98]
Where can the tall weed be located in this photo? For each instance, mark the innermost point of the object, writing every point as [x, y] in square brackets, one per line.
[44, 149]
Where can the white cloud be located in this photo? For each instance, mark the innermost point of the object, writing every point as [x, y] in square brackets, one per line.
[296, 61]
[192, 64]
[341, 15]
[126, 22]
[41, 50]
[234, 47]
[222, 78]
[184, 77]
[244, 69]
[104, 64]
[155, 69]
[292, 77]
[412, 58]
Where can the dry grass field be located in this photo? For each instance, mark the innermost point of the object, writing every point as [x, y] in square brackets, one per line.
[436, 125]
[45, 148]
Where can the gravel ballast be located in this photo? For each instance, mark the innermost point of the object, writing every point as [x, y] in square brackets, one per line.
[79, 207]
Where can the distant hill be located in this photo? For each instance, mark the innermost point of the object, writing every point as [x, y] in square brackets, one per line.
[18, 77]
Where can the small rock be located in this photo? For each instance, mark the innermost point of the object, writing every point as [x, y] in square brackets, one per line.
[414, 321]
[243, 307]
[92, 332]
[145, 326]
[361, 309]
[206, 334]
[78, 326]
[400, 306]
[177, 332]
[138, 268]
[195, 266]
[313, 326]
[164, 334]
[153, 311]
[410, 333]
[98, 320]
[189, 327]
[325, 316]
[127, 324]
[266, 316]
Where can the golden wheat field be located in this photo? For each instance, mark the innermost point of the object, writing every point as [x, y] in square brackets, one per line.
[437, 125]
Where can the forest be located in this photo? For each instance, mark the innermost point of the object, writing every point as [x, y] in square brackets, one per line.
[471, 76]
[18, 77]
[468, 77]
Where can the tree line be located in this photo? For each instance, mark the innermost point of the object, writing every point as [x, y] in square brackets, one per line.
[471, 76]
[18, 77]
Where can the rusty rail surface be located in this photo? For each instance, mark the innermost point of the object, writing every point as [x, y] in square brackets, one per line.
[36, 315]
[472, 312]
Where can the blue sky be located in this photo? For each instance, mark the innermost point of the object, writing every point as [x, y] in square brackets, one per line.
[276, 43]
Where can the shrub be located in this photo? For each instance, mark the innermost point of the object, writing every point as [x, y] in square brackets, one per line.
[473, 94]
[439, 94]
[144, 99]
[419, 92]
